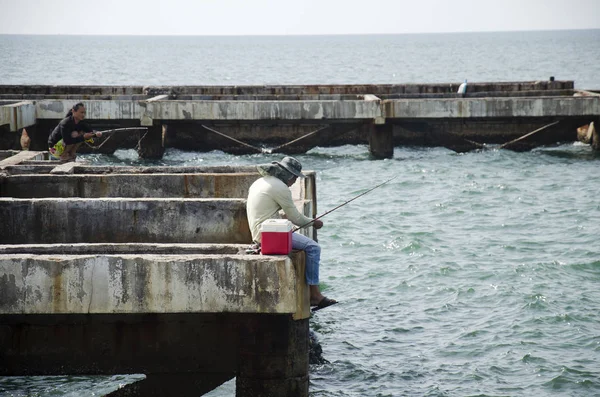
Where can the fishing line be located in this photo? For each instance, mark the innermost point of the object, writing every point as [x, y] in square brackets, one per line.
[344, 203]
[110, 136]
[259, 150]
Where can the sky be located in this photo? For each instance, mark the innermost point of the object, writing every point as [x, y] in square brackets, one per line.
[292, 17]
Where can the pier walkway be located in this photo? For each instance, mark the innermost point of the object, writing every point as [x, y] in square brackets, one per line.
[293, 119]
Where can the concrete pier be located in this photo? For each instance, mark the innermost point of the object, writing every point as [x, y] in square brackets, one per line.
[271, 116]
[187, 320]
[108, 270]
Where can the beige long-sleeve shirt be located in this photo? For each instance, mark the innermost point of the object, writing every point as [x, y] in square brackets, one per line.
[266, 197]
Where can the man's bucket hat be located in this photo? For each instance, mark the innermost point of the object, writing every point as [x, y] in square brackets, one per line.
[291, 165]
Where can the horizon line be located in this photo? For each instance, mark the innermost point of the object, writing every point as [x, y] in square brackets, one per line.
[294, 34]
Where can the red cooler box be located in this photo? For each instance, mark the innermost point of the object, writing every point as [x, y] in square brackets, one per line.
[276, 237]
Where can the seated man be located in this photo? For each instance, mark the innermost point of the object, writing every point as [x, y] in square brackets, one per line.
[266, 197]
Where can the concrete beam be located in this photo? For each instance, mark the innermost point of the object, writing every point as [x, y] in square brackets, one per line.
[124, 248]
[44, 167]
[492, 107]
[123, 220]
[62, 169]
[211, 110]
[18, 115]
[20, 157]
[263, 110]
[131, 185]
[96, 109]
[74, 181]
[501, 107]
[142, 283]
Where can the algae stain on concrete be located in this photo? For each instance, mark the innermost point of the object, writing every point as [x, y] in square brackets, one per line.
[8, 290]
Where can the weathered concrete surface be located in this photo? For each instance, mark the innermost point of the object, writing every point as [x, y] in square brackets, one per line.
[21, 157]
[143, 283]
[44, 167]
[64, 168]
[123, 220]
[17, 115]
[147, 112]
[124, 248]
[7, 153]
[492, 107]
[28, 167]
[128, 185]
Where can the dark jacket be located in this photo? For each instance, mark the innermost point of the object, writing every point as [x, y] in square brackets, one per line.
[64, 129]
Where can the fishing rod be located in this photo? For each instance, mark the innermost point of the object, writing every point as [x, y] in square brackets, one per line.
[343, 204]
[122, 129]
[110, 136]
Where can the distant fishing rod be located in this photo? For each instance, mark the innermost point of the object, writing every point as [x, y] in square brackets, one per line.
[343, 204]
[123, 129]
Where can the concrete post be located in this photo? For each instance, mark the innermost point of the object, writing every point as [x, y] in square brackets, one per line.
[151, 144]
[381, 141]
[273, 357]
[595, 136]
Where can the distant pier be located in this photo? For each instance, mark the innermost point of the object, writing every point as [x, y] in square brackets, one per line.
[294, 119]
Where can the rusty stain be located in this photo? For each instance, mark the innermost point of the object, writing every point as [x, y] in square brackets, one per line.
[103, 186]
[57, 292]
[216, 190]
[186, 186]
[460, 108]
[243, 228]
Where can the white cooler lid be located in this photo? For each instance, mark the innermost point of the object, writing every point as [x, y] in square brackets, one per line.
[276, 225]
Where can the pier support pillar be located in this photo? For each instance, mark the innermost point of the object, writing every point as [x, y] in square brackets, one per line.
[595, 135]
[381, 141]
[273, 357]
[151, 141]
